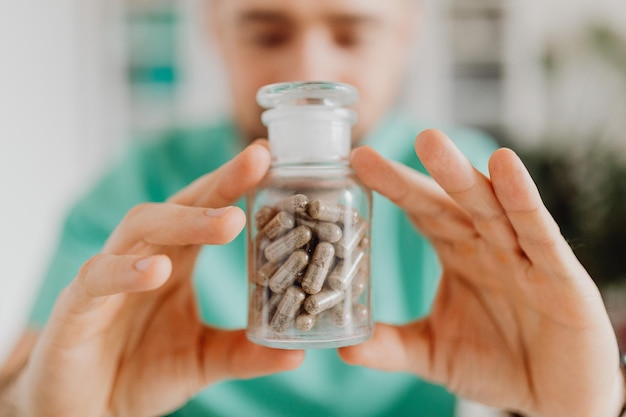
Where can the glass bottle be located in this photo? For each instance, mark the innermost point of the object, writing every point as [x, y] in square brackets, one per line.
[309, 224]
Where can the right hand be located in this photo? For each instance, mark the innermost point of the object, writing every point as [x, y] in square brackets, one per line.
[125, 337]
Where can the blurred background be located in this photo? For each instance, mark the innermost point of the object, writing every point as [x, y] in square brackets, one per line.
[80, 79]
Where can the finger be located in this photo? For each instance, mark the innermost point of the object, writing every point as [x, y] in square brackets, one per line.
[431, 210]
[394, 349]
[538, 234]
[230, 355]
[466, 185]
[107, 275]
[173, 224]
[228, 183]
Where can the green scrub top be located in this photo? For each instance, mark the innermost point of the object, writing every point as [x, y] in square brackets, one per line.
[405, 273]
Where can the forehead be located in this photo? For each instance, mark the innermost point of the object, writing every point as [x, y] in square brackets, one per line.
[314, 9]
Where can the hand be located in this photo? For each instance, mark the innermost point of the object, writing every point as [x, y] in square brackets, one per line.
[125, 337]
[517, 322]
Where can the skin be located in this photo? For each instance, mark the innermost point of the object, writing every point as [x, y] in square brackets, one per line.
[517, 322]
[360, 42]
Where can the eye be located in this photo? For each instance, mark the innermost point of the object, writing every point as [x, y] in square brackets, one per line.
[269, 39]
[348, 39]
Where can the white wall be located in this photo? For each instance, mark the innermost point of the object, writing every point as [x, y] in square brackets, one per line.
[585, 96]
[54, 135]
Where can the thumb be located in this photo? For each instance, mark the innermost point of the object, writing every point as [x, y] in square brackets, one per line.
[394, 349]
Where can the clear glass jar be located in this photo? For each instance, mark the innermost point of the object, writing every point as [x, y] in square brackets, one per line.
[309, 224]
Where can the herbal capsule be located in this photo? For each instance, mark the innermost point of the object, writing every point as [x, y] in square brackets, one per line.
[342, 313]
[328, 211]
[352, 235]
[264, 215]
[294, 204]
[318, 268]
[262, 305]
[279, 224]
[359, 283]
[323, 300]
[288, 243]
[287, 309]
[325, 231]
[264, 273]
[288, 272]
[360, 313]
[305, 321]
[345, 271]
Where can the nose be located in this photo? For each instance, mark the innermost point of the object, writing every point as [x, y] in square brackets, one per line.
[311, 58]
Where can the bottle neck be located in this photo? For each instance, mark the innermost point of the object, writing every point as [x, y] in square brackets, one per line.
[309, 135]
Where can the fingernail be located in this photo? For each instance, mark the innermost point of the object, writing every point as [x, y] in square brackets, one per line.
[143, 264]
[216, 212]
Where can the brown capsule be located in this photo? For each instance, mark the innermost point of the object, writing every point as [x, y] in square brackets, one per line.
[359, 283]
[328, 211]
[265, 272]
[264, 215]
[278, 225]
[325, 231]
[294, 204]
[262, 306]
[323, 300]
[288, 243]
[342, 313]
[288, 272]
[345, 271]
[287, 309]
[305, 321]
[360, 313]
[321, 262]
[352, 235]
[258, 298]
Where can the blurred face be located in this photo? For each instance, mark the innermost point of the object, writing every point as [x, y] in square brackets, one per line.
[360, 42]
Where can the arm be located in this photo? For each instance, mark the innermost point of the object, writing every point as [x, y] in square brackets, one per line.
[517, 322]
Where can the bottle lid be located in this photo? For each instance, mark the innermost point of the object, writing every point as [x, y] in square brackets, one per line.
[308, 121]
[307, 92]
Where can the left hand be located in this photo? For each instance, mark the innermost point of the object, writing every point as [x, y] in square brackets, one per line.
[517, 322]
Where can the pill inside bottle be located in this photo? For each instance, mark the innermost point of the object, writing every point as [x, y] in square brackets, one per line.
[309, 230]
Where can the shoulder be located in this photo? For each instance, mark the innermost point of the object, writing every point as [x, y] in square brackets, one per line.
[178, 156]
[152, 169]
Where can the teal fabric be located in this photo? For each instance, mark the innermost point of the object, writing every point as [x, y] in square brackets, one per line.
[405, 273]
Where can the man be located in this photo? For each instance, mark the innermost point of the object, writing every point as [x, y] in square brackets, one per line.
[516, 322]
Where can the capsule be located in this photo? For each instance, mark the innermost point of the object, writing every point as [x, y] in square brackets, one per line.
[360, 313]
[265, 272]
[305, 321]
[264, 215]
[328, 211]
[294, 204]
[345, 271]
[288, 243]
[287, 309]
[352, 235]
[359, 283]
[323, 300]
[318, 268]
[342, 313]
[325, 231]
[288, 272]
[262, 305]
[278, 225]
